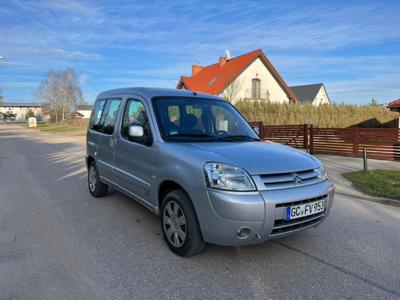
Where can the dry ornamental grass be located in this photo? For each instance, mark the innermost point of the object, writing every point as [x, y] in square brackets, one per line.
[331, 116]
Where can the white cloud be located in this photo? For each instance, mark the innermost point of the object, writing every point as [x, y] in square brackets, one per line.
[383, 88]
[56, 53]
[83, 79]
[19, 84]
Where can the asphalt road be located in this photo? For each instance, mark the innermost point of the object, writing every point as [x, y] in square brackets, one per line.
[57, 242]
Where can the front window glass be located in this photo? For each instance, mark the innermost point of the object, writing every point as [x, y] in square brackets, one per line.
[199, 119]
[135, 114]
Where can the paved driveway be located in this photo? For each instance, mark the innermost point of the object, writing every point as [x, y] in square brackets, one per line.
[57, 242]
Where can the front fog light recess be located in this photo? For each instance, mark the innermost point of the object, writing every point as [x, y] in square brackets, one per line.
[243, 233]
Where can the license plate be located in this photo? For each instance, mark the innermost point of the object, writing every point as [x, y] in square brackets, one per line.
[304, 210]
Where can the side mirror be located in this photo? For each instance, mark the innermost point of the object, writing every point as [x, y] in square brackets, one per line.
[136, 131]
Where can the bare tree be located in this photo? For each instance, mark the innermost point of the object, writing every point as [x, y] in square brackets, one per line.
[49, 92]
[232, 91]
[71, 93]
[61, 91]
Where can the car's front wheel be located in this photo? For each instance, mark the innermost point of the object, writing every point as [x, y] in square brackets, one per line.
[179, 224]
[96, 187]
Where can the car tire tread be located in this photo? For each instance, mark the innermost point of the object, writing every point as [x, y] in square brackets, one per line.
[101, 188]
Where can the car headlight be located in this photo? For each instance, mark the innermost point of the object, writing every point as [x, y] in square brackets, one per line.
[322, 174]
[227, 177]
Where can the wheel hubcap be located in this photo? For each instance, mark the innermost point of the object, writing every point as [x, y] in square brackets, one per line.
[174, 223]
[92, 179]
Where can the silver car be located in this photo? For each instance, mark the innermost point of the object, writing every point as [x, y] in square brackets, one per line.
[193, 160]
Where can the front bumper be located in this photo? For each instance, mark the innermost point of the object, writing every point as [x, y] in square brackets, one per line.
[260, 213]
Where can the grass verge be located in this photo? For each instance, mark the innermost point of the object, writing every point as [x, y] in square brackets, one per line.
[58, 128]
[379, 183]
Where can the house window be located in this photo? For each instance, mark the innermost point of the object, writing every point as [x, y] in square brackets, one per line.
[255, 88]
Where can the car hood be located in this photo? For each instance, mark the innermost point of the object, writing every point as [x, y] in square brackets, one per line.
[255, 157]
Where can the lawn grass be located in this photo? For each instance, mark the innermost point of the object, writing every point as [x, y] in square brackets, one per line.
[379, 183]
[57, 128]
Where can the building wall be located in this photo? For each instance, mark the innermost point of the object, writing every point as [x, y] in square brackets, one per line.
[85, 113]
[321, 98]
[21, 111]
[243, 84]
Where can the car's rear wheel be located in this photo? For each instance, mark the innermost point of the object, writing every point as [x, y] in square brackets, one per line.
[179, 224]
[96, 187]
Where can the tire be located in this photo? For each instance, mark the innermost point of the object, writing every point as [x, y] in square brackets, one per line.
[179, 224]
[96, 187]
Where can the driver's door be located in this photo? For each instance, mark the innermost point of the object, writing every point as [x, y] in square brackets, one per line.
[134, 158]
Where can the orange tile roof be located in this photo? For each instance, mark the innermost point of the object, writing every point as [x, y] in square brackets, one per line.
[395, 103]
[214, 79]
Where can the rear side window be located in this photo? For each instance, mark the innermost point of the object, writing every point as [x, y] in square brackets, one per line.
[96, 115]
[109, 116]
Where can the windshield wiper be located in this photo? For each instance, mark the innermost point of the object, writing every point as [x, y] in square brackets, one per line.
[229, 138]
[192, 135]
[240, 138]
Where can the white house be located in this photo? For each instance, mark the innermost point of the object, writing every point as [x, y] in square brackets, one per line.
[312, 93]
[84, 111]
[249, 76]
[21, 109]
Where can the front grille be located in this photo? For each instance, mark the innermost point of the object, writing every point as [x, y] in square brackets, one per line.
[284, 226]
[286, 204]
[290, 180]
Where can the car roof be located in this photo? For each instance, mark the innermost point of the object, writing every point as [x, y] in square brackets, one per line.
[153, 92]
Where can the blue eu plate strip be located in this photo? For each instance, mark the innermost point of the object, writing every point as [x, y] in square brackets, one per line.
[287, 213]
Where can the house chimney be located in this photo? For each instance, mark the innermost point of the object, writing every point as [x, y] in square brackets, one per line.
[196, 69]
[222, 61]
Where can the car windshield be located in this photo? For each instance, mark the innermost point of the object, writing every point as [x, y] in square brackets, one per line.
[183, 119]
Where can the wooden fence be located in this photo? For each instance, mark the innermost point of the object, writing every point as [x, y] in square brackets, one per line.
[293, 135]
[79, 122]
[381, 143]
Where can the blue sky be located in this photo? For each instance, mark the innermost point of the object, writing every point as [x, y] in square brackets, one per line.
[354, 48]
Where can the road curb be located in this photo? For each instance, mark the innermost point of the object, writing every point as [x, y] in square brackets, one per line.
[361, 195]
[385, 201]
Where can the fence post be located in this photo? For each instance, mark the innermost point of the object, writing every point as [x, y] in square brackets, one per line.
[355, 141]
[365, 159]
[305, 133]
[311, 147]
[261, 130]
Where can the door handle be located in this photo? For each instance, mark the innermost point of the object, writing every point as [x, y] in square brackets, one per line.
[112, 141]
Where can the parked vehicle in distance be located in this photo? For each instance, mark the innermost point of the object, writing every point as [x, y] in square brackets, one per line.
[194, 160]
